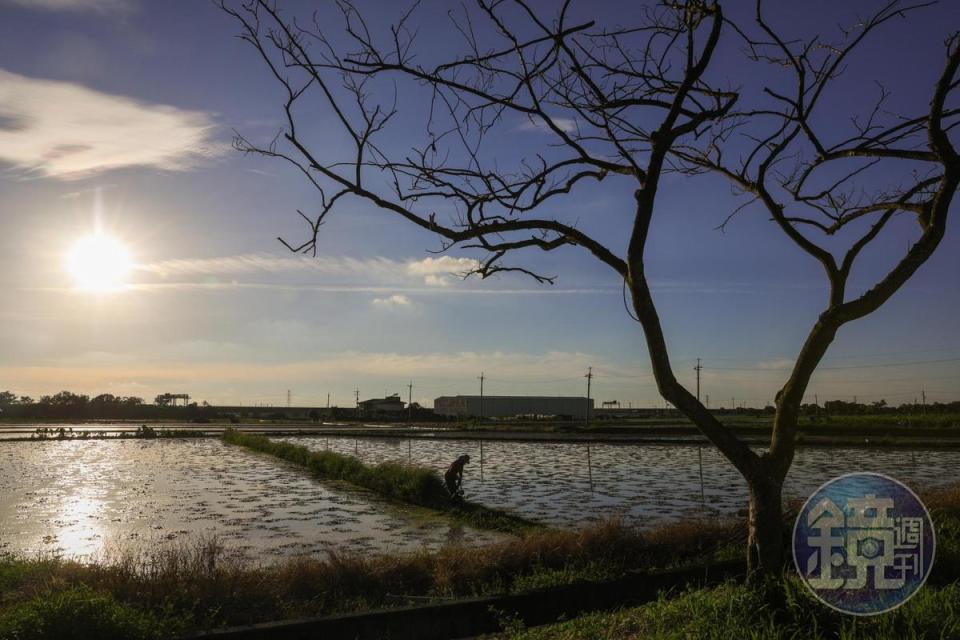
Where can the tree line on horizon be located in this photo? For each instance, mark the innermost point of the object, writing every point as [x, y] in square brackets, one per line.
[67, 404]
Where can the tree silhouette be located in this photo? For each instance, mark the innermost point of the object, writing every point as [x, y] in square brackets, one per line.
[619, 103]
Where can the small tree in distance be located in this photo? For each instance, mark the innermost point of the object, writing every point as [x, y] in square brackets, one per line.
[628, 103]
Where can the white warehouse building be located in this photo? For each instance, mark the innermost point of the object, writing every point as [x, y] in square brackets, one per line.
[510, 406]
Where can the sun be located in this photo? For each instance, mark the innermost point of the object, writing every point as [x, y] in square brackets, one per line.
[99, 263]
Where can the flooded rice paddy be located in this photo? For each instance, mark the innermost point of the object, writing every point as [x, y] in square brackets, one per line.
[81, 498]
[85, 498]
[569, 484]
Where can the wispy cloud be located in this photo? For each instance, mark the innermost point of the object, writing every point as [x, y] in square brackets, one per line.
[393, 302]
[72, 195]
[567, 125]
[268, 263]
[435, 272]
[348, 288]
[387, 275]
[102, 6]
[65, 130]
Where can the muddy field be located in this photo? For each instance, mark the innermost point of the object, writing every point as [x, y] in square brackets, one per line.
[567, 484]
[82, 499]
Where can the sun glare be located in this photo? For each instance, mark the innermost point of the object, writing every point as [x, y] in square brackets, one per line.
[99, 263]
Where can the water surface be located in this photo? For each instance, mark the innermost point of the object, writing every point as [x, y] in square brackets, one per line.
[76, 498]
[568, 484]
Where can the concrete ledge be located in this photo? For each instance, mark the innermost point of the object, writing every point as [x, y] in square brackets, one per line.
[474, 616]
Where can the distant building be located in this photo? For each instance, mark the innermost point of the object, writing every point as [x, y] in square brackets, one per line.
[510, 406]
[390, 404]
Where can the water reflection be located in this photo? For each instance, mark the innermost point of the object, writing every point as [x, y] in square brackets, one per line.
[645, 483]
[78, 525]
[77, 498]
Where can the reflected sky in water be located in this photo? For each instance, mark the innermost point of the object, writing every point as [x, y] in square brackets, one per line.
[79, 499]
[645, 483]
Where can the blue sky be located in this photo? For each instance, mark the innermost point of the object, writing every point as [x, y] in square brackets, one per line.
[120, 113]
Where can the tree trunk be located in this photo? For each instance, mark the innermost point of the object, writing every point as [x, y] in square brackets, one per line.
[765, 541]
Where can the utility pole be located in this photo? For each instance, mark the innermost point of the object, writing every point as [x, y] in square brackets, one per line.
[410, 399]
[698, 369]
[589, 378]
[356, 393]
[923, 395]
[328, 400]
[288, 398]
[481, 395]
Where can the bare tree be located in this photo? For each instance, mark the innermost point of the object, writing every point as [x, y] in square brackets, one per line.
[629, 103]
[816, 188]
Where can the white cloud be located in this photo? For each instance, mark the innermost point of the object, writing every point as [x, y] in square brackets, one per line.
[232, 265]
[65, 130]
[102, 6]
[779, 364]
[434, 271]
[567, 125]
[353, 288]
[441, 265]
[436, 281]
[395, 301]
[341, 274]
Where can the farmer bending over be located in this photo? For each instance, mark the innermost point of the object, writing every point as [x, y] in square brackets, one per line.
[454, 477]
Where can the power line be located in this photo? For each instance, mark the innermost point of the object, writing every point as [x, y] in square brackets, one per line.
[893, 364]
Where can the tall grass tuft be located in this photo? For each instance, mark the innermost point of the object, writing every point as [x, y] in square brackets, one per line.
[79, 613]
[407, 483]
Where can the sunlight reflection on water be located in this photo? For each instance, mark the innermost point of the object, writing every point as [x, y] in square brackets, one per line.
[78, 498]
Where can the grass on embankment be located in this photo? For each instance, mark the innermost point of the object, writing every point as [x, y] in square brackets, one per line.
[171, 590]
[412, 484]
[735, 611]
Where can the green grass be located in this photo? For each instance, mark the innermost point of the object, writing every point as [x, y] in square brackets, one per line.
[411, 484]
[201, 586]
[79, 613]
[142, 432]
[736, 612]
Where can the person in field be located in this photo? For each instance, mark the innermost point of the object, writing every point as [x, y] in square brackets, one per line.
[454, 477]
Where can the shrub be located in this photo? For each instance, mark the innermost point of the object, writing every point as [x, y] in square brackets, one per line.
[79, 613]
